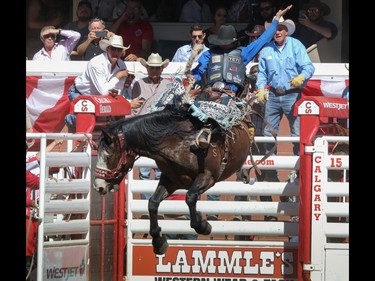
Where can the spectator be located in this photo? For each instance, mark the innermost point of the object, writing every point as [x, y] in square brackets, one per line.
[220, 18]
[104, 74]
[179, 217]
[150, 88]
[266, 10]
[312, 26]
[103, 9]
[53, 50]
[239, 11]
[285, 81]
[90, 47]
[121, 7]
[197, 37]
[164, 12]
[41, 13]
[81, 25]
[137, 33]
[195, 11]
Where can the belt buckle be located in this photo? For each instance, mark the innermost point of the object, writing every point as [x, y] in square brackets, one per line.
[280, 92]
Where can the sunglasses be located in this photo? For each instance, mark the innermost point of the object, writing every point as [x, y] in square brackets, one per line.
[115, 49]
[265, 8]
[195, 36]
[50, 35]
[313, 10]
[221, 15]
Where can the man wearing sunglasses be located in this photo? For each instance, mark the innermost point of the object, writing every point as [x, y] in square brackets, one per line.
[53, 49]
[197, 37]
[312, 26]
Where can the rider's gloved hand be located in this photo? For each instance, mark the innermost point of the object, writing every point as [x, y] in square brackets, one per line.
[262, 96]
[297, 81]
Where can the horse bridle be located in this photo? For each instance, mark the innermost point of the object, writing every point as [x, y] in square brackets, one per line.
[119, 171]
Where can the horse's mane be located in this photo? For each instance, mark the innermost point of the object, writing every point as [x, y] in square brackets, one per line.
[152, 128]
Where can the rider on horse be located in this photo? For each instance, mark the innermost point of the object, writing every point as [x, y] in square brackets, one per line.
[224, 66]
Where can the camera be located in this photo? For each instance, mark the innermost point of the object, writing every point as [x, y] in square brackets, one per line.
[101, 34]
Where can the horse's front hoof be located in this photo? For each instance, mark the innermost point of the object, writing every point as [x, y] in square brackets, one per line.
[204, 228]
[160, 245]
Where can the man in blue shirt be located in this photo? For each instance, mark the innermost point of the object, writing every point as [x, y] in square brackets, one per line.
[197, 37]
[284, 67]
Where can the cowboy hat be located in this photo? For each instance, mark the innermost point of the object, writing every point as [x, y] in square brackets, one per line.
[227, 35]
[317, 4]
[154, 60]
[114, 41]
[256, 31]
[289, 24]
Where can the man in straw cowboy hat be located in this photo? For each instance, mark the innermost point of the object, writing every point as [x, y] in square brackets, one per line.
[151, 89]
[284, 67]
[312, 26]
[104, 75]
[224, 64]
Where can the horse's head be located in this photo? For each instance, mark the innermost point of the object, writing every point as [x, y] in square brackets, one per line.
[114, 162]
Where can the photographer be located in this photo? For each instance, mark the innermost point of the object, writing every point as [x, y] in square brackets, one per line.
[90, 47]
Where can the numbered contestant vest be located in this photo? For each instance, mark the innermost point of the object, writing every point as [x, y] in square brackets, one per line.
[227, 67]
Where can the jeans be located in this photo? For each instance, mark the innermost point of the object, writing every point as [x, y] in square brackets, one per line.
[145, 174]
[70, 119]
[276, 106]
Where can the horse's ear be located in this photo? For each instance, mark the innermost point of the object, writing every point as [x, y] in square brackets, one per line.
[106, 137]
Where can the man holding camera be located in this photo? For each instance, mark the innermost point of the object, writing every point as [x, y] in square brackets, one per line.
[90, 47]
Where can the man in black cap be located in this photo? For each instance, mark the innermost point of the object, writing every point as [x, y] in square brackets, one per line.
[312, 26]
[224, 64]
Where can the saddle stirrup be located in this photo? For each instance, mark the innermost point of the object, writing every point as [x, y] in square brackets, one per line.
[202, 141]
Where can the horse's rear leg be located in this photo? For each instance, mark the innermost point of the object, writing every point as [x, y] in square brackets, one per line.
[159, 242]
[196, 222]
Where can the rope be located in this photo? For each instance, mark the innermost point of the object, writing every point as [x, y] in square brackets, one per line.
[31, 266]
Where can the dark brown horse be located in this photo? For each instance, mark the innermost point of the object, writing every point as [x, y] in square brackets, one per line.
[166, 136]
